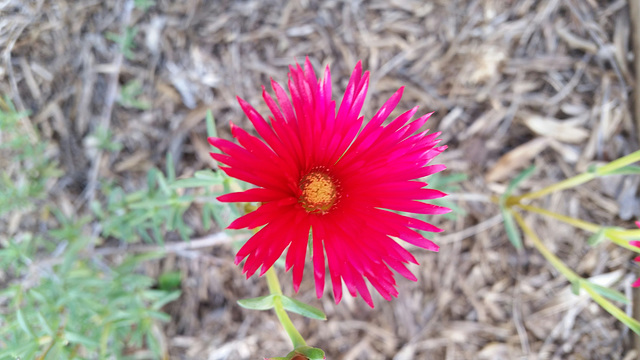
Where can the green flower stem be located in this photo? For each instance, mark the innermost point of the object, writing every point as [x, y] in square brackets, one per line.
[619, 163]
[575, 278]
[580, 224]
[616, 236]
[273, 283]
[626, 234]
[551, 257]
[581, 178]
[564, 184]
[274, 288]
[632, 323]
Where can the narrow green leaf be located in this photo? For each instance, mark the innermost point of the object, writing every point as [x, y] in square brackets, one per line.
[632, 323]
[575, 287]
[151, 178]
[202, 178]
[96, 207]
[189, 183]
[23, 323]
[169, 297]
[308, 352]
[258, 303]
[206, 217]
[104, 339]
[303, 309]
[170, 280]
[518, 179]
[149, 203]
[156, 230]
[597, 237]
[80, 339]
[131, 262]
[159, 315]
[606, 292]
[43, 324]
[208, 175]
[627, 170]
[145, 235]
[162, 183]
[511, 229]
[171, 170]
[199, 180]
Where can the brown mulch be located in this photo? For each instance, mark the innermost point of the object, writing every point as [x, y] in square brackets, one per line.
[513, 83]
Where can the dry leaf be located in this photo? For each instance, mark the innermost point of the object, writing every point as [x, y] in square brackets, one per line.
[515, 159]
[567, 131]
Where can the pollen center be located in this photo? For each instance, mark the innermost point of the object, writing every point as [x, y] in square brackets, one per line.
[319, 192]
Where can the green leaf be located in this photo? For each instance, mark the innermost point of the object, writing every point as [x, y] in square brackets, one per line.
[206, 217]
[23, 323]
[456, 211]
[632, 323]
[307, 351]
[597, 237]
[171, 171]
[169, 297]
[575, 287]
[626, 170]
[301, 308]
[258, 303]
[517, 180]
[170, 280]
[159, 315]
[202, 178]
[510, 227]
[80, 339]
[44, 325]
[606, 292]
[208, 175]
[162, 183]
[143, 5]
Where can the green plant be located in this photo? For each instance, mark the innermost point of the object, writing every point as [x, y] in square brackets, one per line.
[143, 5]
[130, 96]
[102, 138]
[125, 41]
[512, 220]
[29, 168]
[147, 214]
[60, 298]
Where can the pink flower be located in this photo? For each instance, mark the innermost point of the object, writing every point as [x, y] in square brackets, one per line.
[636, 244]
[321, 172]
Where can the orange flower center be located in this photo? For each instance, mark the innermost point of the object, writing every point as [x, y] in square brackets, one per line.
[319, 191]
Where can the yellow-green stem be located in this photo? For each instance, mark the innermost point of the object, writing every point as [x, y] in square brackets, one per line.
[619, 163]
[551, 257]
[575, 278]
[613, 310]
[564, 184]
[274, 288]
[581, 178]
[273, 282]
[612, 234]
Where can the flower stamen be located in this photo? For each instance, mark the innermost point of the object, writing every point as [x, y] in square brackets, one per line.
[319, 192]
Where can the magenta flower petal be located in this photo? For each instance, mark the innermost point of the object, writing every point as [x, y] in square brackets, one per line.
[318, 171]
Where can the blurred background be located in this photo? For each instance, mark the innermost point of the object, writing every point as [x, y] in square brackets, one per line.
[104, 104]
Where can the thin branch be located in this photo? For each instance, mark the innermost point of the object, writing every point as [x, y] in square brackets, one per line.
[110, 98]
